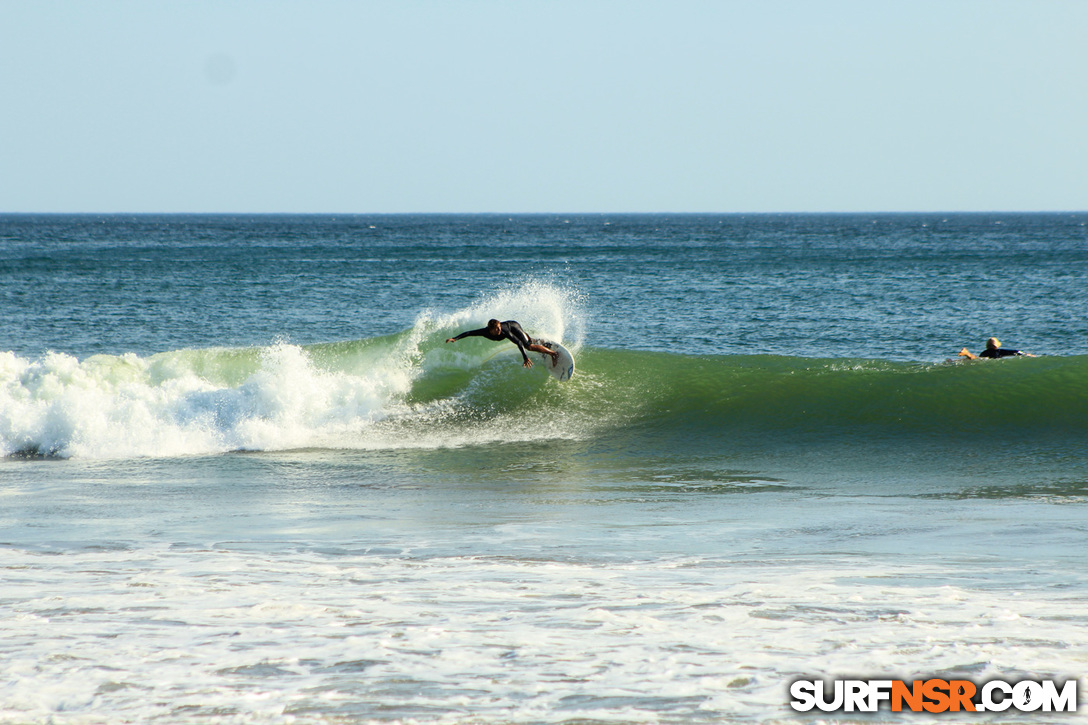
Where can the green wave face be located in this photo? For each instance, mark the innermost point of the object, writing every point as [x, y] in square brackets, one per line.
[856, 397]
[708, 404]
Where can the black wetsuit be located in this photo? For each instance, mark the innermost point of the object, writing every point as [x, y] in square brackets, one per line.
[999, 352]
[509, 330]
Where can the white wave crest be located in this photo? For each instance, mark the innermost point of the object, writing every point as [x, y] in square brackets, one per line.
[117, 407]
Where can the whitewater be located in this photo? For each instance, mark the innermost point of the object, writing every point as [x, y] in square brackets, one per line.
[279, 397]
[245, 480]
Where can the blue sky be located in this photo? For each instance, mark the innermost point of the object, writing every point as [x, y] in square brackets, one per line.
[543, 106]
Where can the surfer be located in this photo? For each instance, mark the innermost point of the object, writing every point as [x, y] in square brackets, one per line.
[993, 350]
[509, 330]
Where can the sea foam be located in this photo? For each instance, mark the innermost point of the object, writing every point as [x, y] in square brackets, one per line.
[283, 396]
[107, 407]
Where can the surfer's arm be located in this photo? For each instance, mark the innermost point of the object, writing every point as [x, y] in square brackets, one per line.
[968, 354]
[513, 332]
[521, 348]
[471, 333]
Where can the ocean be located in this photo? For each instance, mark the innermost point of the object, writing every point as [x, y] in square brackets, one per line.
[245, 480]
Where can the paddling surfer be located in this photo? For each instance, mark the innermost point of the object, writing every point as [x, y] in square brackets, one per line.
[510, 330]
[993, 350]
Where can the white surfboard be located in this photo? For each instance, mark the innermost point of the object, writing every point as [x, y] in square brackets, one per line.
[561, 368]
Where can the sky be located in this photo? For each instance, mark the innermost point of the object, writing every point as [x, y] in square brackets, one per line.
[524, 106]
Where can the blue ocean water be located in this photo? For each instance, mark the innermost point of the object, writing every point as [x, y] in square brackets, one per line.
[245, 479]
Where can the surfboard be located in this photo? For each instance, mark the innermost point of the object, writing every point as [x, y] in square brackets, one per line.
[562, 368]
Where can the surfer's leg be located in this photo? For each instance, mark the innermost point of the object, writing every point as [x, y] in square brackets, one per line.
[537, 347]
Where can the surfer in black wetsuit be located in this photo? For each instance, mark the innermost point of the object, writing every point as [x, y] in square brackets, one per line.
[993, 350]
[509, 330]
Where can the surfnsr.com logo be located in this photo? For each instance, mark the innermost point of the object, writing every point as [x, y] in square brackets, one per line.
[934, 695]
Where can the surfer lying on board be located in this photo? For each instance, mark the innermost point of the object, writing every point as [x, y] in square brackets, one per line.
[993, 349]
[509, 330]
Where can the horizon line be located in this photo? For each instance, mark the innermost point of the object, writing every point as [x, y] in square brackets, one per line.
[541, 213]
